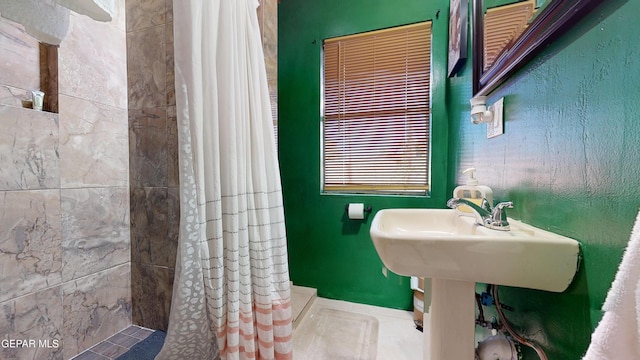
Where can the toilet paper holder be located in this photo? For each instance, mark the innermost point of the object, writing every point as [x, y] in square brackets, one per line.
[366, 210]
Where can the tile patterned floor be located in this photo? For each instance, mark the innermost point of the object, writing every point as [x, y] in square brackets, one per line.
[116, 345]
[397, 337]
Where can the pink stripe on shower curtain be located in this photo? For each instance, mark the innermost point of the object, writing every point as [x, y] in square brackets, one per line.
[231, 294]
[262, 336]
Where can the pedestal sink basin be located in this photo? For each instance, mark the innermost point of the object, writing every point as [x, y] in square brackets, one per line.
[438, 243]
[456, 253]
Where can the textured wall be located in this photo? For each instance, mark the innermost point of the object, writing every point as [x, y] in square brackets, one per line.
[64, 210]
[568, 160]
[327, 251]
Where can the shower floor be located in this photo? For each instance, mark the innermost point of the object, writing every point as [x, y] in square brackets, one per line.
[116, 345]
[397, 337]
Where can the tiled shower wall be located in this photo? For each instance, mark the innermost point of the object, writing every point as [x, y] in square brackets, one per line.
[153, 145]
[64, 198]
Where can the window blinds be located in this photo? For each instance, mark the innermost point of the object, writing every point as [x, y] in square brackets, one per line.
[502, 26]
[376, 110]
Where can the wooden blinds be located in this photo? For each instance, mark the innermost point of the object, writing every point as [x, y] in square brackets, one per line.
[502, 26]
[376, 110]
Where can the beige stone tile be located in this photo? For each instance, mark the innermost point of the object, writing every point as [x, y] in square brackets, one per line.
[399, 338]
[95, 230]
[270, 48]
[332, 304]
[120, 15]
[28, 149]
[94, 144]
[336, 334]
[301, 300]
[270, 39]
[95, 308]
[93, 62]
[380, 311]
[35, 317]
[142, 14]
[13, 96]
[30, 242]
[20, 57]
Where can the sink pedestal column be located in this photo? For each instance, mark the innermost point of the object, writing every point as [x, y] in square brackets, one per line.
[450, 333]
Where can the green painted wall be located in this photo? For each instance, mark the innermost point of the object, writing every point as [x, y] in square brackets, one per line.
[326, 250]
[568, 160]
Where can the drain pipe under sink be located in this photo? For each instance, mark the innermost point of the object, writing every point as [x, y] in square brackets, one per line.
[497, 347]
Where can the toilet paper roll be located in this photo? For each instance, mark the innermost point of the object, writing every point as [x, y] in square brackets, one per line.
[356, 211]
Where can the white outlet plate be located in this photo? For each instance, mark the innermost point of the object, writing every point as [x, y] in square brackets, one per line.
[496, 127]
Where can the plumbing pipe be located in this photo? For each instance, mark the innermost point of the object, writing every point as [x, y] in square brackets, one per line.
[513, 334]
[480, 319]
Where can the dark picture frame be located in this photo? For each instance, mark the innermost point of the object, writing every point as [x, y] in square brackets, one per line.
[458, 25]
[555, 19]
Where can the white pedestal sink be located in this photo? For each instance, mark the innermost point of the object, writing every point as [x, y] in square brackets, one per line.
[456, 253]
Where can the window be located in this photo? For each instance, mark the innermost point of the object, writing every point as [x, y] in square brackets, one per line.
[376, 111]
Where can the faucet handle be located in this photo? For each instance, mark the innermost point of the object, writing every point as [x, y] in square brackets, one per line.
[504, 204]
[499, 215]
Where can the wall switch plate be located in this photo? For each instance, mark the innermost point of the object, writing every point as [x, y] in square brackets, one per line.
[496, 127]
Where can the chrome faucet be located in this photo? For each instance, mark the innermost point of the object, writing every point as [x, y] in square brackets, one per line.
[495, 218]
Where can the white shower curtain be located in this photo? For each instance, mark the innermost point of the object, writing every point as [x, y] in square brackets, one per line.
[231, 293]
